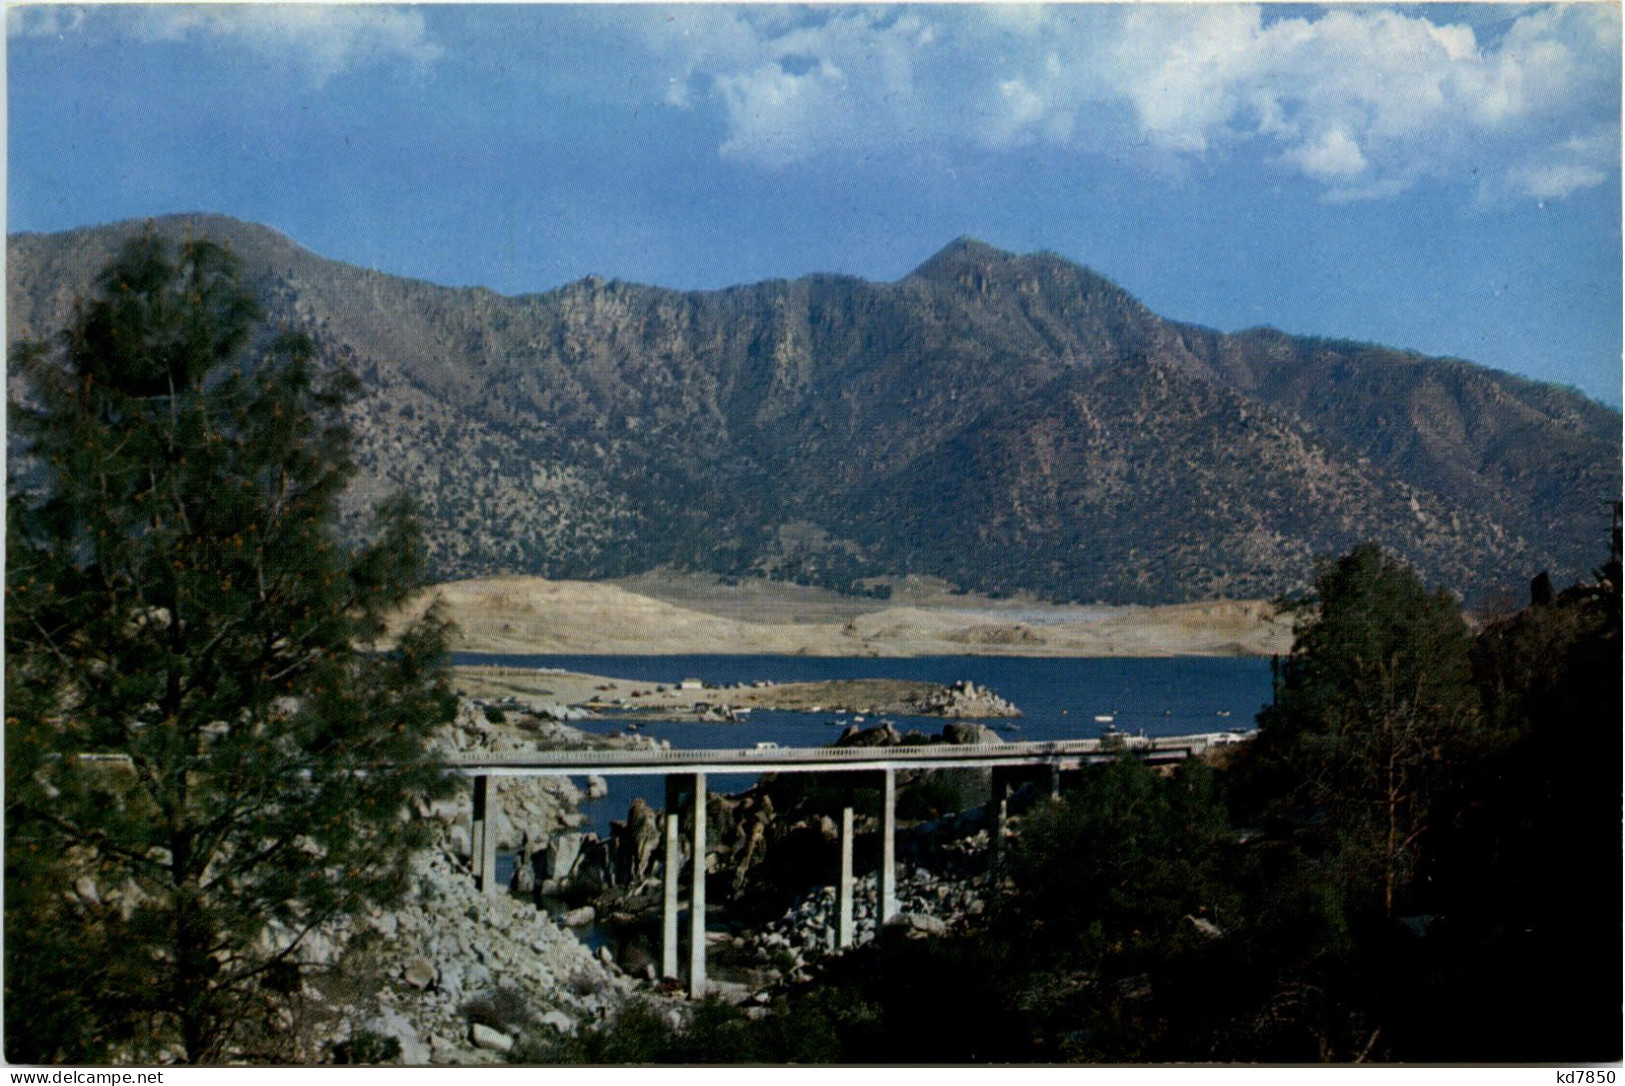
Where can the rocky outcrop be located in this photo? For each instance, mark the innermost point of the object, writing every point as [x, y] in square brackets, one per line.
[423, 963]
[637, 844]
[969, 735]
[884, 734]
[965, 699]
[413, 973]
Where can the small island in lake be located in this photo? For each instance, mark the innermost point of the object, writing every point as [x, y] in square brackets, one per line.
[561, 693]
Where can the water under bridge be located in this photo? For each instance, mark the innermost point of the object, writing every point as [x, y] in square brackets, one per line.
[685, 773]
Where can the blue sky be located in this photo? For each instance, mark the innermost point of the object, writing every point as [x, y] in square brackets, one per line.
[1443, 178]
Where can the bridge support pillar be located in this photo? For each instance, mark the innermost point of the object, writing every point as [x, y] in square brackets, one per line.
[844, 888]
[1054, 780]
[999, 809]
[483, 834]
[696, 948]
[673, 872]
[888, 849]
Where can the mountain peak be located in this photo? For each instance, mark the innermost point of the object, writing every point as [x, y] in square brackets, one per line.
[1001, 421]
[968, 247]
[962, 253]
[973, 265]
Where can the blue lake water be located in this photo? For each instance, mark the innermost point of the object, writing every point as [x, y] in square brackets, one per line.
[1059, 699]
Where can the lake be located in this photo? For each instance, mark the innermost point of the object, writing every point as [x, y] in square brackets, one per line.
[1059, 699]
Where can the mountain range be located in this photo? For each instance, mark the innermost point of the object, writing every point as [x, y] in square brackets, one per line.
[1006, 423]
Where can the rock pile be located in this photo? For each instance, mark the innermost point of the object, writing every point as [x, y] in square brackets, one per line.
[419, 972]
[449, 948]
[928, 905]
[964, 699]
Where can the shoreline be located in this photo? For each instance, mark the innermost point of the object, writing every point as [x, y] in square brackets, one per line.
[532, 616]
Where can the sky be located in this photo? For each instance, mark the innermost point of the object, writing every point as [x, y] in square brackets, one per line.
[1443, 178]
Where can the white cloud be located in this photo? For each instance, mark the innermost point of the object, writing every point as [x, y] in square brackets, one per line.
[324, 39]
[1360, 90]
[1332, 156]
[1383, 95]
[1361, 100]
[319, 40]
[1186, 73]
[1554, 179]
[1555, 172]
[792, 90]
[42, 20]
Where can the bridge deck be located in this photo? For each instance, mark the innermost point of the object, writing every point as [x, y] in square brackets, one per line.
[1067, 753]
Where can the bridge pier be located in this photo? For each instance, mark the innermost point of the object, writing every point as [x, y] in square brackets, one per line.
[673, 865]
[888, 848]
[999, 809]
[483, 834]
[696, 896]
[845, 887]
[676, 785]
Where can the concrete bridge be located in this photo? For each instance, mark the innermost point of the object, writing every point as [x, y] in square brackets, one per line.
[685, 773]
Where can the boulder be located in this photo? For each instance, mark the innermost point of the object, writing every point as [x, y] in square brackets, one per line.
[917, 924]
[420, 973]
[524, 873]
[559, 1021]
[562, 853]
[594, 869]
[503, 824]
[637, 842]
[458, 838]
[491, 1040]
[445, 809]
[969, 734]
[885, 735]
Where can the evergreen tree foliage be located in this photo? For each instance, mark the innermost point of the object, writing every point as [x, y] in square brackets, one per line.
[1374, 709]
[1534, 866]
[1128, 854]
[206, 760]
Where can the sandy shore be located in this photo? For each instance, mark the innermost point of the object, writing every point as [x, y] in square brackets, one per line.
[531, 615]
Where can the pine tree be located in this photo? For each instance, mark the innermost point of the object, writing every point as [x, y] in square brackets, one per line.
[207, 754]
[1373, 710]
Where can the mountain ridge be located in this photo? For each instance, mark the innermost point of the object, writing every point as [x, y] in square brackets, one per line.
[1012, 423]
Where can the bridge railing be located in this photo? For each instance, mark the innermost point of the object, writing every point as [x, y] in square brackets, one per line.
[746, 756]
[781, 753]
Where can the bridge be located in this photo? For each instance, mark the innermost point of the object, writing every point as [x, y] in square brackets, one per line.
[685, 773]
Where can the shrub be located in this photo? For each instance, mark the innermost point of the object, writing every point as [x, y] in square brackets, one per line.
[366, 1047]
[500, 1008]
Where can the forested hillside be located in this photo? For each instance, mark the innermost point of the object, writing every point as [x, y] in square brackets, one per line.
[1008, 423]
